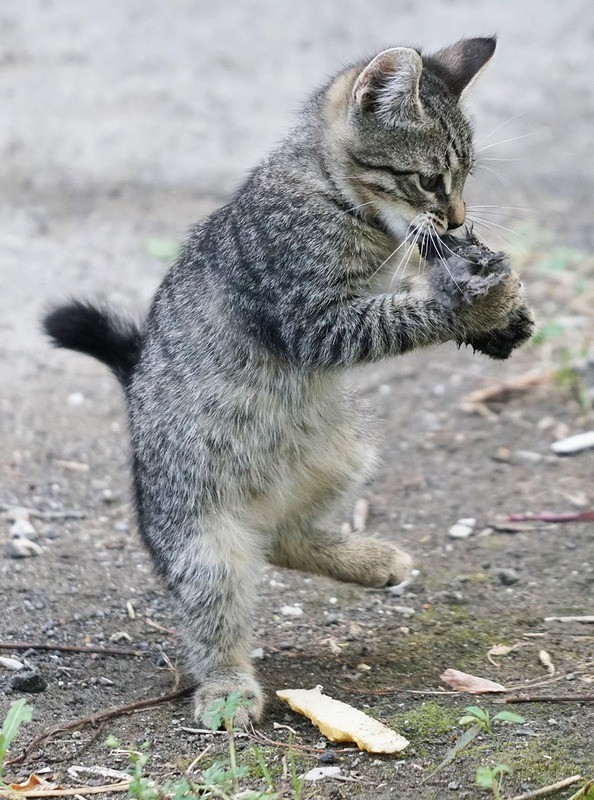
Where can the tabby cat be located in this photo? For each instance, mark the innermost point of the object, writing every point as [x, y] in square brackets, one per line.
[242, 434]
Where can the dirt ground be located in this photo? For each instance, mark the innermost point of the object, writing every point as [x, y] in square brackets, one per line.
[122, 124]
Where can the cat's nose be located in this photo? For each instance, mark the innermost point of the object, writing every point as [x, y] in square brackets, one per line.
[456, 215]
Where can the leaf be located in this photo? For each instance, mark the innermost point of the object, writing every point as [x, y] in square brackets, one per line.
[478, 713]
[459, 745]
[18, 713]
[546, 660]
[499, 650]
[463, 682]
[162, 248]
[467, 720]
[509, 716]
[501, 769]
[485, 777]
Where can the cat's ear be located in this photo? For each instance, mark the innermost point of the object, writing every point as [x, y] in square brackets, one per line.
[463, 62]
[389, 86]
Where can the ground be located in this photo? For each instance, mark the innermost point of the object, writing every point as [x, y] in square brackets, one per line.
[125, 123]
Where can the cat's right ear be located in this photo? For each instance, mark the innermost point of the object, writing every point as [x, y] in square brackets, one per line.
[389, 86]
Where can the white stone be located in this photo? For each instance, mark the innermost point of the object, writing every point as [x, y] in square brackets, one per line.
[11, 663]
[22, 528]
[574, 444]
[292, 611]
[460, 531]
[319, 773]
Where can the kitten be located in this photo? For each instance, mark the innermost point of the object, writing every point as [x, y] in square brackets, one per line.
[242, 434]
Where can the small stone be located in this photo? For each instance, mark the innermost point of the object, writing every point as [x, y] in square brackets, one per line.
[28, 680]
[319, 773]
[22, 529]
[508, 576]
[11, 663]
[22, 548]
[292, 611]
[528, 456]
[573, 444]
[460, 531]
[120, 636]
[328, 757]
[406, 611]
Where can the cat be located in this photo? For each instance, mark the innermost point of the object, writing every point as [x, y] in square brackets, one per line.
[242, 433]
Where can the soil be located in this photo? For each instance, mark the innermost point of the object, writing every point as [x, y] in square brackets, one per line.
[127, 123]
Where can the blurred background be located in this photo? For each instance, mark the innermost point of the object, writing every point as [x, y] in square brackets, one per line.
[122, 123]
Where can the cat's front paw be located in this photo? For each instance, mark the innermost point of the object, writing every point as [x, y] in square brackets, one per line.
[219, 685]
[500, 343]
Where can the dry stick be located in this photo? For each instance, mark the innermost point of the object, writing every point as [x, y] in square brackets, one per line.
[552, 516]
[554, 787]
[562, 698]
[72, 648]
[110, 787]
[34, 512]
[109, 713]
[501, 391]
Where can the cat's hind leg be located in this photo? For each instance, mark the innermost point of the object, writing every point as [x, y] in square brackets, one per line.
[340, 555]
[211, 566]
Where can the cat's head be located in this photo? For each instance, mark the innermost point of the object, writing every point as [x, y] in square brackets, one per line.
[398, 139]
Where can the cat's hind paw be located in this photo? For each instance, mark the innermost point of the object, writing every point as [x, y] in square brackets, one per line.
[219, 685]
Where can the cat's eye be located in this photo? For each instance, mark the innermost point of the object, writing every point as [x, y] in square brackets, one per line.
[430, 183]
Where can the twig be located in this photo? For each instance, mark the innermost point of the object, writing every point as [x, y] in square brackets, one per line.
[157, 627]
[34, 512]
[552, 516]
[72, 648]
[123, 786]
[554, 787]
[561, 698]
[393, 690]
[504, 390]
[109, 713]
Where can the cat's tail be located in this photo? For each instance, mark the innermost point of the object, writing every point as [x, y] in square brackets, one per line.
[98, 332]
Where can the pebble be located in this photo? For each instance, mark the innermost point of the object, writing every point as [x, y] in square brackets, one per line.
[406, 611]
[328, 757]
[28, 680]
[508, 576]
[319, 773]
[573, 444]
[463, 529]
[22, 529]
[22, 548]
[11, 663]
[292, 611]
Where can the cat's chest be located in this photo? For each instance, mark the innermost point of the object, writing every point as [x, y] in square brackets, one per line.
[378, 263]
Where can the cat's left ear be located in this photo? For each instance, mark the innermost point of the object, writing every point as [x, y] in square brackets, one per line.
[462, 63]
